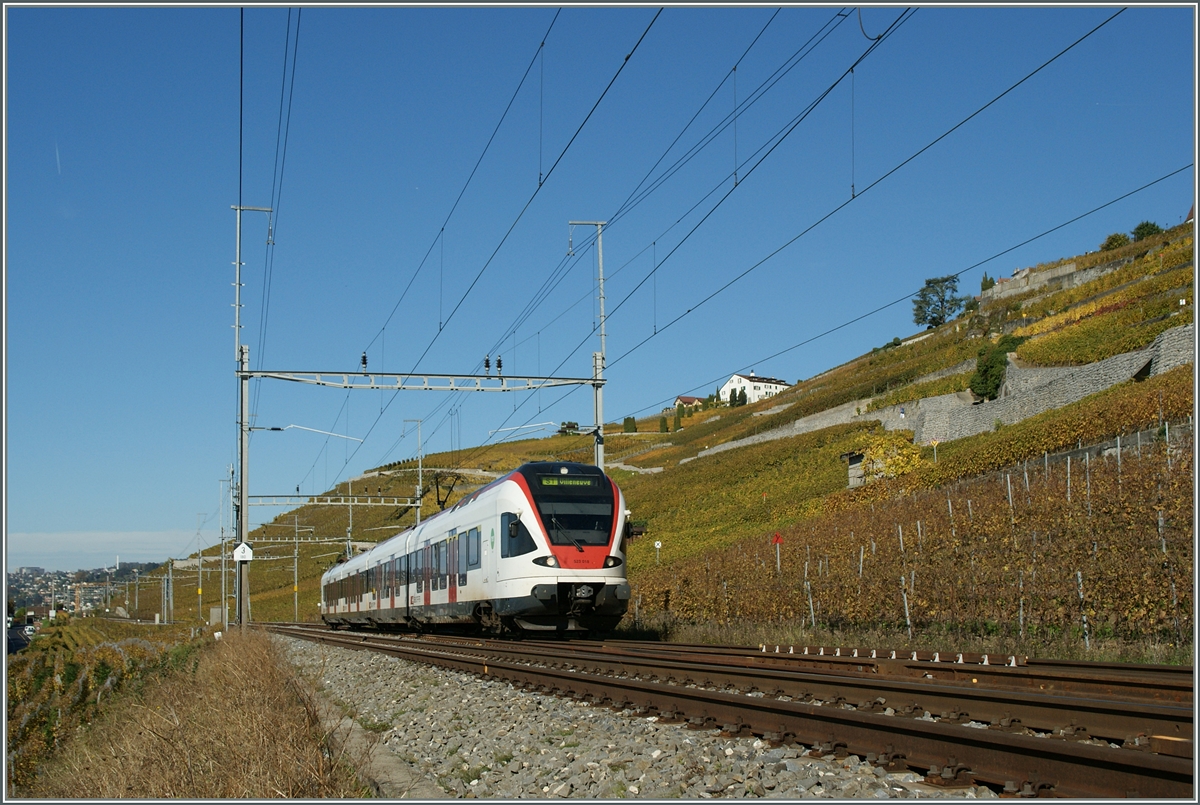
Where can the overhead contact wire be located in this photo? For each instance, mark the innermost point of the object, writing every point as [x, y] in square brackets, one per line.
[520, 215]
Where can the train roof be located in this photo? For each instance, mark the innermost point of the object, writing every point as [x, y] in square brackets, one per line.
[529, 470]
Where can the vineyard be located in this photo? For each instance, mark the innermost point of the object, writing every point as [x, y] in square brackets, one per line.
[1098, 545]
[59, 682]
[969, 559]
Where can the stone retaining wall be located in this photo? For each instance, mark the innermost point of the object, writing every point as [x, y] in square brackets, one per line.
[1030, 392]
[945, 418]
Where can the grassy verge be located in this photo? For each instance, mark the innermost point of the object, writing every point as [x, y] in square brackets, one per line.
[229, 723]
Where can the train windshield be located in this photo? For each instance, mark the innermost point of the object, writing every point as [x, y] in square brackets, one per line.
[575, 509]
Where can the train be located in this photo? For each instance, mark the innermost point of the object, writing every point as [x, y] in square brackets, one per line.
[539, 550]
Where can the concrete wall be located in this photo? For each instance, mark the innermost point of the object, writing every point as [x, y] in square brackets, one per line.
[1066, 275]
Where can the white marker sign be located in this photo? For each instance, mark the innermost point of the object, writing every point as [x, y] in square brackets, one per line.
[242, 553]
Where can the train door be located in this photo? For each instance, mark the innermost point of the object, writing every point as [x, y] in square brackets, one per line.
[426, 567]
[391, 581]
[452, 567]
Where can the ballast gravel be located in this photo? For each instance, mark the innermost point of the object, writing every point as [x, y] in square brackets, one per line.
[476, 738]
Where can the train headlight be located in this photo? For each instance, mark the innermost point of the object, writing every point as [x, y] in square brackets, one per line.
[546, 561]
[611, 561]
[584, 591]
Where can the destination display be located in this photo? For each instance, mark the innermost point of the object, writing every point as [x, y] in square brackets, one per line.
[565, 480]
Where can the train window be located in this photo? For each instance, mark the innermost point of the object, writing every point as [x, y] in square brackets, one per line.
[577, 522]
[418, 568]
[473, 549]
[443, 563]
[514, 544]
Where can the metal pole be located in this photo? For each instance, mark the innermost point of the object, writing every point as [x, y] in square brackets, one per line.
[241, 355]
[419, 468]
[170, 590]
[243, 480]
[296, 573]
[224, 600]
[598, 358]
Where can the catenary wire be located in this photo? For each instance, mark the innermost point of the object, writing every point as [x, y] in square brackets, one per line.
[280, 163]
[873, 184]
[635, 198]
[844, 204]
[777, 139]
[520, 215]
[467, 183]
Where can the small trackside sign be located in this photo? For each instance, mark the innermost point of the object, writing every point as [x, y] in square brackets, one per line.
[242, 553]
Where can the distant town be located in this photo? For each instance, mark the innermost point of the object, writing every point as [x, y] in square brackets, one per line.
[40, 592]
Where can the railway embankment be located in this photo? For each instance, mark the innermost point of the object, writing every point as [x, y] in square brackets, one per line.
[482, 738]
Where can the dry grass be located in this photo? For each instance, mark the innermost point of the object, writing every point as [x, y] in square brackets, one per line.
[233, 724]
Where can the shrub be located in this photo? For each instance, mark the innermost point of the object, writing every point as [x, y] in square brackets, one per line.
[989, 371]
[662, 424]
[1146, 229]
[1114, 241]
[630, 425]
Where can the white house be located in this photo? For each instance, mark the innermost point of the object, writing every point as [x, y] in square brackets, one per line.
[757, 388]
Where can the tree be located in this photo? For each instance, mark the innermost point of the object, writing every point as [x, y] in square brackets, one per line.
[662, 424]
[1145, 229]
[629, 425]
[986, 283]
[936, 303]
[1114, 241]
[742, 397]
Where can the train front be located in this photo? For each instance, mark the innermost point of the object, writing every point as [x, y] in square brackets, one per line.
[579, 579]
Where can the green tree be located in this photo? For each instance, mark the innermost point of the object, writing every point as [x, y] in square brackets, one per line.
[986, 282]
[1145, 229]
[678, 417]
[629, 425]
[1114, 241]
[662, 424]
[991, 366]
[936, 303]
[742, 397]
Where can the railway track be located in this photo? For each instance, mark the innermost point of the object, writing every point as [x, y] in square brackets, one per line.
[1023, 727]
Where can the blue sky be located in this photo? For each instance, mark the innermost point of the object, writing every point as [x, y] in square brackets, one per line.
[121, 165]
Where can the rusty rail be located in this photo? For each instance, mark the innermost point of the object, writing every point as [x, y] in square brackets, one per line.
[949, 753]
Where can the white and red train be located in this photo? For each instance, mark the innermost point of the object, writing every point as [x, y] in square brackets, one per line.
[540, 549]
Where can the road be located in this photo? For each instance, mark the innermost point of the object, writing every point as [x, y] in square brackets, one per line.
[17, 639]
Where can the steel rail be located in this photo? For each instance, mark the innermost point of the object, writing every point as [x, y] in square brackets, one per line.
[1114, 719]
[1166, 684]
[951, 754]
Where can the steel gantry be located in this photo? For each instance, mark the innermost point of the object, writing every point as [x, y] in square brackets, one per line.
[424, 382]
[362, 380]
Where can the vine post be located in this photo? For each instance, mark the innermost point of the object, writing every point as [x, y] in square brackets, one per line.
[1021, 594]
[1087, 639]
